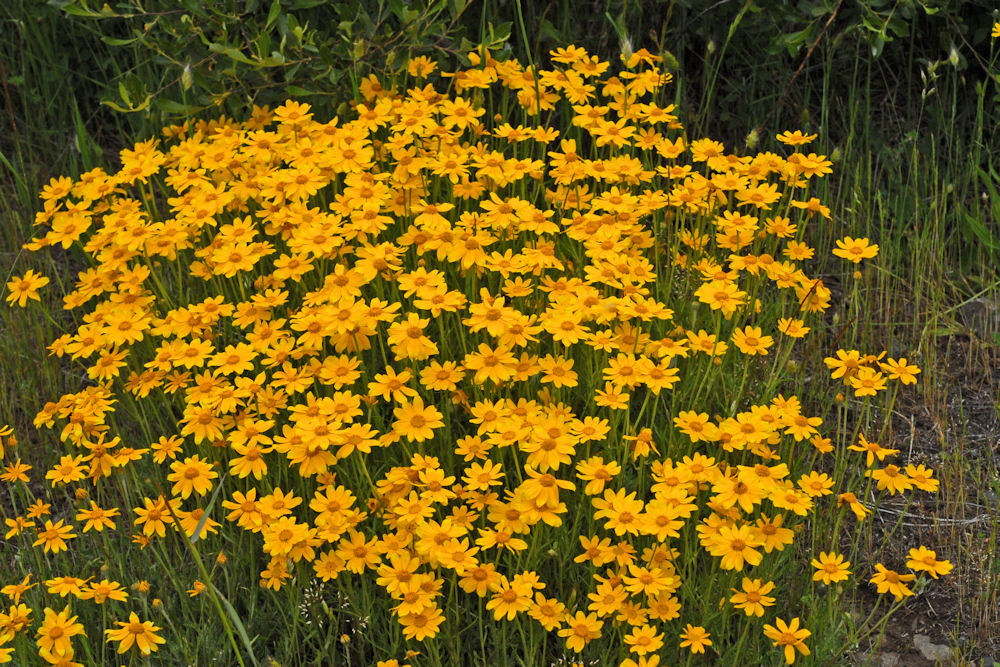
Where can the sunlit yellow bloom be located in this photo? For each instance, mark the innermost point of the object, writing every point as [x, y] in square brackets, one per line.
[695, 638]
[789, 636]
[20, 290]
[922, 559]
[140, 634]
[888, 581]
[855, 250]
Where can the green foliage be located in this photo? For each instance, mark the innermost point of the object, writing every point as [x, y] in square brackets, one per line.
[943, 23]
[903, 92]
[191, 56]
[51, 78]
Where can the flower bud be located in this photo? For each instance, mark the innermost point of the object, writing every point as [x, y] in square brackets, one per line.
[670, 60]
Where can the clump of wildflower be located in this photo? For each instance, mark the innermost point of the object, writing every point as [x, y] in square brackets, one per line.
[409, 344]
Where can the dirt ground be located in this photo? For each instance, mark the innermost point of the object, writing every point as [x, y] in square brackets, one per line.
[954, 428]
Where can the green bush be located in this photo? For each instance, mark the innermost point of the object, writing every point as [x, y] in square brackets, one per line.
[190, 56]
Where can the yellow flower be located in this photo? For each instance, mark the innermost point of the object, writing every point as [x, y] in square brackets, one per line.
[900, 370]
[140, 634]
[752, 341]
[63, 586]
[872, 450]
[849, 499]
[558, 371]
[509, 599]
[281, 535]
[855, 250]
[97, 518]
[547, 611]
[754, 596]
[923, 559]
[793, 328]
[15, 591]
[816, 484]
[420, 67]
[695, 638]
[53, 537]
[408, 341]
[736, 546]
[830, 568]
[891, 478]
[192, 475]
[57, 630]
[293, 113]
[644, 640]
[648, 581]
[721, 295]
[623, 511]
[703, 149]
[796, 138]
[867, 382]
[922, 478]
[888, 581]
[154, 516]
[422, 625]
[581, 630]
[788, 635]
[102, 591]
[415, 421]
[26, 287]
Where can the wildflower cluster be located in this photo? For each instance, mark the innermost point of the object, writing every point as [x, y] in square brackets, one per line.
[468, 347]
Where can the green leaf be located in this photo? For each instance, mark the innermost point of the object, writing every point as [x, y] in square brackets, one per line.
[298, 91]
[273, 60]
[82, 138]
[208, 511]
[273, 14]
[230, 52]
[114, 41]
[196, 7]
[975, 225]
[942, 331]
[498, 34]
[130, 109]
[176, 108]
[399, 10]
[74, 9]
[123, 92]
[548, 31]
[240, 629]
[877, 45]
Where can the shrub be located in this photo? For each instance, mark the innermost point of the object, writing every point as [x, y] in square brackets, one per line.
[501, 373]
[197, 56]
